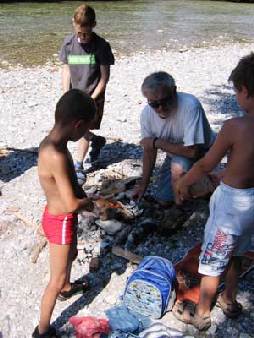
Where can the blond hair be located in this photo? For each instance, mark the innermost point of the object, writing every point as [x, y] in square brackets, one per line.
[84, 15]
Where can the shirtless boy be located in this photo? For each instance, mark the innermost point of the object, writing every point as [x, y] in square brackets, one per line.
[74, 113]
[230, 226]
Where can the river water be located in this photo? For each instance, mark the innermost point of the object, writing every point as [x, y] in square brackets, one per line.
[31, 33]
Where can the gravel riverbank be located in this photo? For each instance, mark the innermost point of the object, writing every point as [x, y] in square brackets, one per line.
[27, 102]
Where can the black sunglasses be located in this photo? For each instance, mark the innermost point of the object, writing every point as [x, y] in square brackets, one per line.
[163, 102]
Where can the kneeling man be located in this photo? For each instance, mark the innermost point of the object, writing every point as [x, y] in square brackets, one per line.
[174, 122]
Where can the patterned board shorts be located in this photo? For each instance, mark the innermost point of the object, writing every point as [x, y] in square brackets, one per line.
[229, 230]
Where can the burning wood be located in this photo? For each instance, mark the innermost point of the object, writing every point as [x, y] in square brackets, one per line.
[110, 209]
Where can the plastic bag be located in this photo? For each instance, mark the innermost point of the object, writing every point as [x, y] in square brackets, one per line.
[89, 327]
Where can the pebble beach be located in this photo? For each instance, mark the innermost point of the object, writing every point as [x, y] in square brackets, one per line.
[27, 103]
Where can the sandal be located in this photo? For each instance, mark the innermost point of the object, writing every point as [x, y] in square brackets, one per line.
[50, 333]
[184, 311]
[76, 287]
[231, 310]
[201, 323]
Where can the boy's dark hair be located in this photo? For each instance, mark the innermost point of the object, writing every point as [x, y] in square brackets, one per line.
[84, 15]
[74, 105]
[243, 74]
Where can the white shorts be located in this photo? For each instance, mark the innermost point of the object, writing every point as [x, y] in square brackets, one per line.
[229, 230]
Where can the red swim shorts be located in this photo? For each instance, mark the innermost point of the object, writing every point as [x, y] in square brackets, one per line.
[59, 229]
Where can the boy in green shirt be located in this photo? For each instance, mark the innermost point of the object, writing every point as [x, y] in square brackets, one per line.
[86, 59]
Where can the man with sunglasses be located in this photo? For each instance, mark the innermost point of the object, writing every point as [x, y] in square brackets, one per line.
[175, 123]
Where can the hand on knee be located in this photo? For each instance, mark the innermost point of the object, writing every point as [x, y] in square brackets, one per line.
[176, 172]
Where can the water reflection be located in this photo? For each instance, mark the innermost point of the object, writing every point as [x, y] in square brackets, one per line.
[30, 33]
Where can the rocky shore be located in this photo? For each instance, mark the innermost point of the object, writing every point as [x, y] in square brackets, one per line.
[27, 101]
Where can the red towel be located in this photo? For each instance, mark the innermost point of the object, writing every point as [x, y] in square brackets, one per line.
[189, 279]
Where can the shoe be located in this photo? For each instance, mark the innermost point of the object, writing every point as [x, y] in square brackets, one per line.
[202, 323]
[231, 310]
[184, 311]
[76, 288]
[51, 333]
[97, 143]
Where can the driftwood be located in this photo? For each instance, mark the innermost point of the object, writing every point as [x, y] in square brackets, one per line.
[37, 248]
[116, 139]
[41, 241]
[39, 244]
[133, 258]
[6, 150]
[15, 211]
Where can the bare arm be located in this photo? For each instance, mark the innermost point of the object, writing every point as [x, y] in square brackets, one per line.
[177, 149]
[222, 144]
[101, 86]
[66, 78]
[60, 172]
[148, 165]
[149, 158]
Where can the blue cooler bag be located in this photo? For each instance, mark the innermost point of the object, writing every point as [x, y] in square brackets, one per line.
[149, 288]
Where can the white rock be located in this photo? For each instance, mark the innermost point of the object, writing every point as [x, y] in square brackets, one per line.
[244, 335]
[24, 127]
[111, 227]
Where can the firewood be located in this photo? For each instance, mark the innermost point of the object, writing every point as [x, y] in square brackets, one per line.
[6, 150]
[15, 211]
[41, 242]
[40, 239]
[133, 258]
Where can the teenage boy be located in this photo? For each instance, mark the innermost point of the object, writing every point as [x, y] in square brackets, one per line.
[73, 116]
[230, 226]
[86, 59]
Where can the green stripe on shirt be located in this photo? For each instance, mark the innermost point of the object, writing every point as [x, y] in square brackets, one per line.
[88, 59]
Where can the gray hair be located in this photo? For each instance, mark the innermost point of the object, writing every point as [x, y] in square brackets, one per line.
[157, 80]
